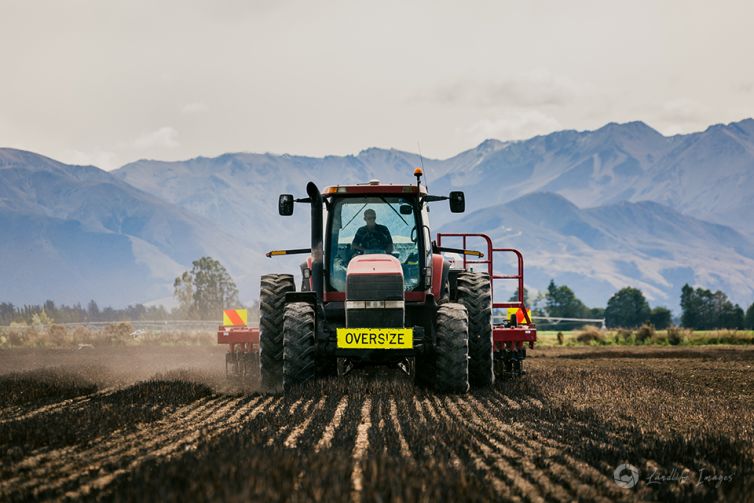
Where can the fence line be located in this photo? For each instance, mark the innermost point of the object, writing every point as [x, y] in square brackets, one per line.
[161, 325]
[554, 320]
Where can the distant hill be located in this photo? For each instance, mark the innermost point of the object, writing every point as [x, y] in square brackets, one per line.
[708, 175]
[598, 250]
[621, 205]
[239, 191]
[73, 233]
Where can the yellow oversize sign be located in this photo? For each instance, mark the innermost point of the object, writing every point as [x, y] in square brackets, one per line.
[375, 338]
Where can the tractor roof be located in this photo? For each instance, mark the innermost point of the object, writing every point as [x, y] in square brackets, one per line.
[374, 187]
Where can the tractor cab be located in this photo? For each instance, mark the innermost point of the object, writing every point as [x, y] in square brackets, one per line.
[378, 219]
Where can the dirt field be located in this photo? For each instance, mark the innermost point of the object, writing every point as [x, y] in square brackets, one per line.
[95, 424]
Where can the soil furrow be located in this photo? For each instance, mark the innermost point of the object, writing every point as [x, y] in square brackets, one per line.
[455, 461]
[292, 411]
[46, 464]
[493, 460]
[327, 436]
[488, 427]
[593, 476]
[203, 430]
[25, 414]
[417, 405]
[292, 439]
[73, 463]
[557, 434]
[405, 449]
[530, 447]
[361, 445]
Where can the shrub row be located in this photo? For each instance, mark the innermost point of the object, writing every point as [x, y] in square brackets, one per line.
[115, 334]
[646, 334]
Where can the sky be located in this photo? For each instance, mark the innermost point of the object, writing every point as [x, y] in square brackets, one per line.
[107, 82]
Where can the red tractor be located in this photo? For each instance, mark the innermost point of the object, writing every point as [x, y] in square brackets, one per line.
[377, 290]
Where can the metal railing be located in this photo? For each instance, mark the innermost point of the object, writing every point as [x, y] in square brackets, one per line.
[488, 264]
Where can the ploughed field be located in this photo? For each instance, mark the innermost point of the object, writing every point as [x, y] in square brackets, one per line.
[106, 424]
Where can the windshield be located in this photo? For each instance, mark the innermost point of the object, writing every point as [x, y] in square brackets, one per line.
[365, 225]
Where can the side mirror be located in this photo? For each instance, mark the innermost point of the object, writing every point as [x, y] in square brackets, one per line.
[406, 209]
[285, 205]
[457, 202]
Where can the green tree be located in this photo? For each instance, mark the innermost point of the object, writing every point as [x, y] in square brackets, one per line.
[692, 303]
[7, 313]
[729, 315]
[627, 308]
[661, 317]
[183, 291]
[92, 311]
[704, 310]
[749, 318]
[206, 290]
[561, 302]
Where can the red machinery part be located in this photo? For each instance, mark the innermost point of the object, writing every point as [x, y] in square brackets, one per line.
[241, 338]
[375, 265]
[504, 337]
[437, 275]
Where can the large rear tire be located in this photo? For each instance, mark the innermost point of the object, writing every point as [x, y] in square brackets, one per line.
[271, 306]
[475, 293]
[299, 344]
[452, 349]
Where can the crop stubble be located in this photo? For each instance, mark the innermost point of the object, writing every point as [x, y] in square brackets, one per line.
[556, 434]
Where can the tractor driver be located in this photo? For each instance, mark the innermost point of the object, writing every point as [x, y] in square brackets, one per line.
[372, 236]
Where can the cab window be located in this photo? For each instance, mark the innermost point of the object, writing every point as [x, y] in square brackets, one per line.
[367, 225]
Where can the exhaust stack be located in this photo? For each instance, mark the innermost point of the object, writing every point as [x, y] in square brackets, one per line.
[317, 250]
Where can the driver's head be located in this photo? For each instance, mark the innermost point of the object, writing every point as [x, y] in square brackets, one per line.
[370, 217]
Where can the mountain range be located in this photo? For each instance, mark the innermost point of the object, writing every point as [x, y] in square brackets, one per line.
[597, 210]
[72, 233]
[598, 250]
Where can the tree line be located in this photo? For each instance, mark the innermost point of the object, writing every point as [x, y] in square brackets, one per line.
[202, 293]
[701, 309]
[49, 312]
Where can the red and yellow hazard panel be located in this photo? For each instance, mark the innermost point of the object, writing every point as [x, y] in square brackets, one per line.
[520, 318]
[235, 317]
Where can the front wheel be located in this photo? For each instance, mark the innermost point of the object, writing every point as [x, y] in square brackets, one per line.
[474, 292]
[452, 349]
[271, 307]
[299, 344]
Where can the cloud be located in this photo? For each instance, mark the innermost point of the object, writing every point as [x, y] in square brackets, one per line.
[515, 125]
[165, 137]
[99, 158]
[196, 107]
[680, 115]
[745, 87]
[536, 88]
[682, 110]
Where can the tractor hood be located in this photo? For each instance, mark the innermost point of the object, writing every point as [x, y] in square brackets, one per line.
[375, 264]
